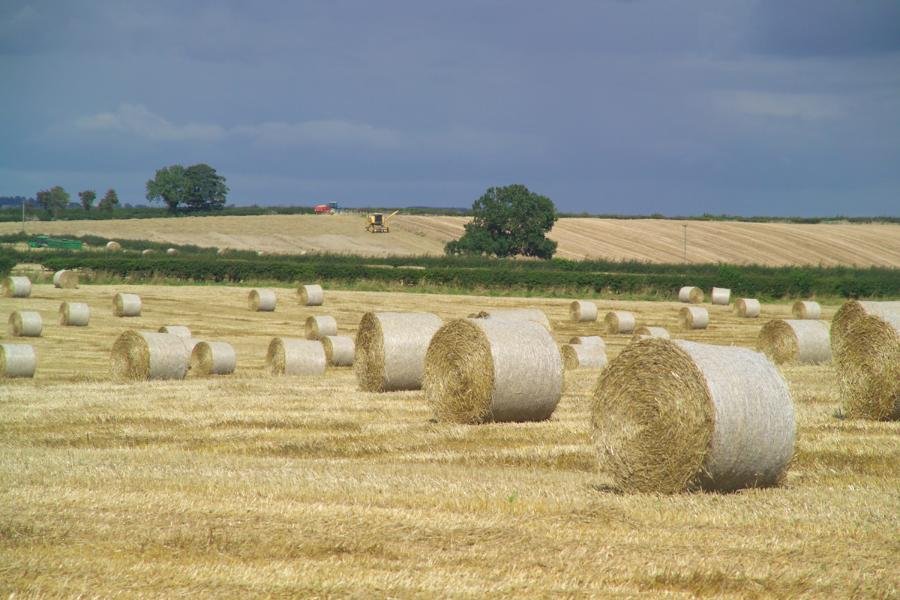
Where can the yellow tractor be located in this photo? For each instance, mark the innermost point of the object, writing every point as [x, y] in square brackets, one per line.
[378, 223]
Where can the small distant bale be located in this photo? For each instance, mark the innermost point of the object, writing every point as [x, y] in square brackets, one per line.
[795, 341]
[65, 279]
[339, 350]
[516, 314]
[179, 330]
[311, 295]
[147, 251]
[691, 294]
[74, 314]
[113, 246]
[482, 370]
[25, 323]
[390, 350]
[126, 305]
[693, 317]
[212, 358]
[319, 326]
[171, 251]
[583, 311]
[721, 296]
[145, 355]
[262, 300]
[619, 321]
[718, 418]
[748, 308]
[650, 332]
[17, 360]
[588, 340]
[806, 309]
[583, 356]
[287, 356]
[222, 251]
[16, 287]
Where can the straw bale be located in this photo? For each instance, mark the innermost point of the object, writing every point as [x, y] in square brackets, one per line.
[126, 305]
[319, 326]
[721, 296]
[581, 356]
[25, 323]
[480, 370]
[650, 332]
[516, 314]
[212, 358]
[852, 311]
[17, 360]
[147, 251]
[143, 355]
[619, 321]
[262, 300]
[583, 311]
[339, 350]
[672, 415]
[806, 309]
[288, 356]
[65, 279]
[588, 340]
[747, 307]
[172, 251]
[693, 317]
[795, 341]
[16, 287]
[179, 330]
[113, 246]
[74, 314]
[390, 350]
[691, 294]
[311, 295]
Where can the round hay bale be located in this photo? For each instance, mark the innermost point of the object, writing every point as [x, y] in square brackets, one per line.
[339, 350]
[16, 287]
[691, 294]
[516, 314]
[212, 358]
[126, 305]
[74, 314]
[319, 326]
[583, 311]
[113, 246]
[795, 341]
[179, 330]
[619, 321]
[853, 311]
[693, 317]
[262, 300]
[721, 296]
[287, 356]
[806, 309]
[747, 307]
[171, 251]
[17, 360]
[479, 370]
[390, 350]
[147, 251]
[650, 332]
[589, 340]
[671, 416]
[143, 355]
[311, 295]
[581, 356]
[65, 279]
[25, 323]
[221, 251]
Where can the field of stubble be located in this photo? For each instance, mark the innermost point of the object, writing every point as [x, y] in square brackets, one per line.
[251, 485]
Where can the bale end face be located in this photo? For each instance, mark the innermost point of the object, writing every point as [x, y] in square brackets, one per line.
[869, 367]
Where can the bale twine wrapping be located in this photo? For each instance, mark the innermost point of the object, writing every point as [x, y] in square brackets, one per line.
[262, 300]
[143, 355]
[74, 314]
[583, 311]
[17, 360]
[16, 287]
[212, 358]
[288, 356]
[390, 350]
[126, 305]
[693, 317]
[179, 330]
[516, 314]
[691, 294]
[747, 307]
[171, 252]
[65, 279]
[581, 356]
[619, 321]
[311, 295]
[721, 296]
[479, 370]
[806, 309]
[588, 340]
[319, 326]
[672, 415]
[795, 341]
[339, 350]
[25, 323]
[650, 332]
[113, 246]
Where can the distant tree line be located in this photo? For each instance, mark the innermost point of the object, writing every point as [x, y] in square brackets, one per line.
[195, 188]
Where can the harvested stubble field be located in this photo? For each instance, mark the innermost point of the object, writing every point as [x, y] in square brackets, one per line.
[257, 486]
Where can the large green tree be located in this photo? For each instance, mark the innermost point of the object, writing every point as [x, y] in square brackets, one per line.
[508, 221]
[170, 185]
[110, 200]
[206, 189]
[54, 200]
[87, 198]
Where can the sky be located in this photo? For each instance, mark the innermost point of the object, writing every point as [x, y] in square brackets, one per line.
[746, 107]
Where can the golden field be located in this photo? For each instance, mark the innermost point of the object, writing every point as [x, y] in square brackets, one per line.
[649, 240]
[250, 485]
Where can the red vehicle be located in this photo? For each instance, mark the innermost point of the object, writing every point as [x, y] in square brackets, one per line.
[325, 209]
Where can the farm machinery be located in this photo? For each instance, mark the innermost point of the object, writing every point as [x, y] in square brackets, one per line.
[378, 223]
[45, 241]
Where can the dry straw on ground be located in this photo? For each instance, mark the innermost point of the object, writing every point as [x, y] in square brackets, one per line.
[143, 355]
[289, 356]
[650, 332]
[17, 360]
[583, 311]
[581, 356]
[171, 251]
[74, 314]
[65, 279]
[480, 370]
[319, 326]
[339, 350]
[588, 340]
[693, 317]
[25, 323]
[619, 321]
[672, 416]
[113, 246]
[311, 295]
[721, 296]
[262, 300]
[795, 341]
[126, 305]
[16, 287]
[806, 309]
[390, 350]
[691, 294]
[179, 330]
[747, 307]
[535, 315]
[212, 358]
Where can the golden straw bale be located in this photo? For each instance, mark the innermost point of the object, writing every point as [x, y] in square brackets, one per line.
[583, 356]
[650, 332]
[339, 350]
[262, 300]
[25, 323]
[113, 246]
[74, 314]
[619, 321]
[390, 350]
[212, 358]
[16, 287]
[126, 305]
[795, 341]
[583, 311]
[65, 279]
[143, 355]
[287, 356]
[319, 326]
[588, 340]
[806, 309]
[311, 295]
[747, 307]
[721, 296]
[179, 330]
[516, 314]
[171, 251]
[693, 317]
[17, 360]
[691, 294]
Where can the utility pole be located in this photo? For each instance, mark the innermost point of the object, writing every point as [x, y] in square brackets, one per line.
[23, 215]
[685, 241]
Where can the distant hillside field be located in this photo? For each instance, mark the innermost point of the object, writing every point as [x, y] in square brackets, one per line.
[650, 240]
